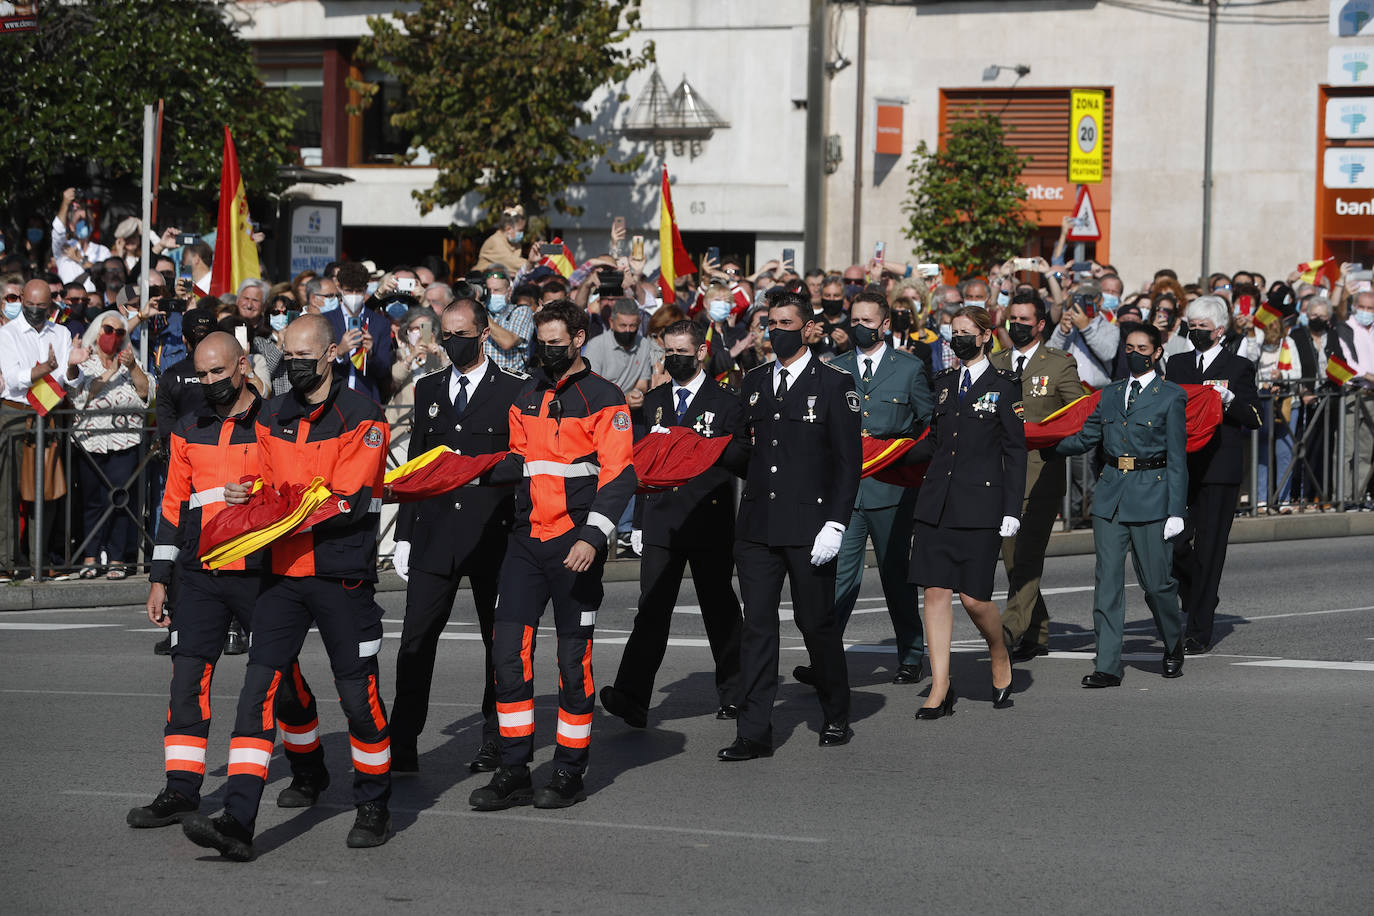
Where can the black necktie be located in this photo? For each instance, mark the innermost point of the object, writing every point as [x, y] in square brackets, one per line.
[782, 383]
[1132, 392]
[1199, 363]
[460, 403]
[682, 397]
[868, 369]
[1020, 365]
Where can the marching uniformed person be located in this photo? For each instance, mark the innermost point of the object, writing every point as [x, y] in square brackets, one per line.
[323, 575]
[693, 523]
[215, 443]
[462, 533]
[1139, 502]
[801, 479]
[1049, 381]
[571, 441]
[970, 500]
[895, 401]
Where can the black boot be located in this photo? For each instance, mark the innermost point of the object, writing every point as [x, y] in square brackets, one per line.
[234, 642]
[304, 790]
[163, 646]
[563, 791]
[170, 807]
[228, 836]
[510, 786]
[372, 826]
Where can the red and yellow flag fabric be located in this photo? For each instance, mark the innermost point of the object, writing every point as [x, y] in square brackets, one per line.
[665, 460]
[1267, 315]
[674, 261]
[1338, 370]
[45, 394]
[1313, 271]
[1203, 410]
[1286, 356]
[236, 255]
[438, 470]
[359, 359]
[563, 262]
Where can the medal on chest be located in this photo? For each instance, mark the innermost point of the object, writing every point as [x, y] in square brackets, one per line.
[987, 403]
[810, 415]
[703, 424]
[1040, 386]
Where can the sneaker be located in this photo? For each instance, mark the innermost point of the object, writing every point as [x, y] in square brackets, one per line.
[371, 827]
[224, 834]
[170, 807]
[304, 790]
[510, 786]
[563, 791]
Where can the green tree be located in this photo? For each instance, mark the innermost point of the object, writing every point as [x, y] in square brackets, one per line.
[497, 92]
[79, 83]
[964, 202]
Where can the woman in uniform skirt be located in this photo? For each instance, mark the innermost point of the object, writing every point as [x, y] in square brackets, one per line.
[970, 500]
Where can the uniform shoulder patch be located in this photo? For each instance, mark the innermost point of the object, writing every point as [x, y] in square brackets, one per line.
[621, 420]
[948, 370]
[1006, 374]
[852, 399]
[514, 373]
[1019, 409]
[373, 438]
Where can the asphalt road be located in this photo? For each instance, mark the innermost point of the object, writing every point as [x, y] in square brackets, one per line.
[1242, 787]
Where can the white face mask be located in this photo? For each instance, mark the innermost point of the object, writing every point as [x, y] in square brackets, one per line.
[329, 304]
[353, 302]
[718, 309]
[413, 336]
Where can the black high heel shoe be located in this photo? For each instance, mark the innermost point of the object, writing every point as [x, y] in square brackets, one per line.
[946, 708]
[1002, 698]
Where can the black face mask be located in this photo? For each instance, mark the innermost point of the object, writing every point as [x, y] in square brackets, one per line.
[625, 338]
[832, 306]
[221, 392]
[36, 316]
[785, 343]
[1317, 325]
[864, 336]
[965, 346]
[303, 373]
[461, 350]
[682, 367]
[1200, 339]
[901, 321]
[1020, 334]
[1139, 363]
[556, 359]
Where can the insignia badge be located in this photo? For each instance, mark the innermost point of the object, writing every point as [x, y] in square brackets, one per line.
[851, 398]
[944, 395]
[373, 438]
[343, 506]
[1019, 409]
[753, 399]
[621, 421]
[433, 411]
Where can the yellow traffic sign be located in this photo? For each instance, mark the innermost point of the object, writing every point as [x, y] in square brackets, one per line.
[1086, 107]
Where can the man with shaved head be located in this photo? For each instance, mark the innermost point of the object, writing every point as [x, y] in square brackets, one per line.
[215, 443]
[323, 576]
[32, 347]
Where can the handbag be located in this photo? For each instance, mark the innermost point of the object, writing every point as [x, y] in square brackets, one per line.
[54, 474]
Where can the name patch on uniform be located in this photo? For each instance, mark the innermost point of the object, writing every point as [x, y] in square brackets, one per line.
[373, 438]
[852, 399]
[621, 420]
[1040, 385]
[987, 403]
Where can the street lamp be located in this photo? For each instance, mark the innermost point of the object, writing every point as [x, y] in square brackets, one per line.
[993, 70]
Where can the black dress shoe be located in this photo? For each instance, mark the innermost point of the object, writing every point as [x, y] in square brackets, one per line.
[163, 646]
[1101, 679]
[563, 791]
[488, 758]
[907, 674]
[223, 834]
[234, 642]
[371, 827]
[744, 749]
[618, 703]
[1173, 662]
[835, 734]
[170, 807]
[805, 674]
[1193, 646]
[404, 758]
[946, 707]
[1025, 651]
[728, 711]
[510, 786]
[304, 790]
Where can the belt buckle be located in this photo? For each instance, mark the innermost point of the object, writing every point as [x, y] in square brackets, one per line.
[1126, 463]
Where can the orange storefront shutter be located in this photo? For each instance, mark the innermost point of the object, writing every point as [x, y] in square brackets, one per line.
[1036, 121]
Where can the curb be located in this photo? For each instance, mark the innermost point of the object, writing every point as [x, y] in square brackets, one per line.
[21, 596]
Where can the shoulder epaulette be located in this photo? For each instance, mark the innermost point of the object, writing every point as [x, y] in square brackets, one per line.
[832, 365]
[948, 370]
[767, 367]
[435, 372]
[514, 373]
[1006, 374]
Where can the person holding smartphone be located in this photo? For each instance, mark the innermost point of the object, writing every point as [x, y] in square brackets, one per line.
[364, 336]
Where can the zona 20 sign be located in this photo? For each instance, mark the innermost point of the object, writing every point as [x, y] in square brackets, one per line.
[1086, 108]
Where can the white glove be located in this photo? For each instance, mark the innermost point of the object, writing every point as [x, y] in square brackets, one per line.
[637, 541]
[1173, 527]
[658, 429]
[827, 544]
[1227, 396]
[1010, 526]
[401, 559]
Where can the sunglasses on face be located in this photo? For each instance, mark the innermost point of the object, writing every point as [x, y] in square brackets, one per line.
[118, 332]
[13, 297]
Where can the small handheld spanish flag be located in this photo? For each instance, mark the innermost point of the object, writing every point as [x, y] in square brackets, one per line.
[563, 261]
[359, 359]
[45, 394]
[1338, 370]
[1267, 315]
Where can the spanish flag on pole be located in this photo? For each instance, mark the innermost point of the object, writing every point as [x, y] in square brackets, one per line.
[674, 261]
[1267, 315]
[563, 261]
[236, 255]
[1337, 370]
[45, 394]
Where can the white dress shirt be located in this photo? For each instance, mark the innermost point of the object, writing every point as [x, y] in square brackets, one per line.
[794, 371]
[67, 268]
[1144, 381]
[474, 378]
[975, 372]
[22, 348]
[692, 387]
[876, 356]
[1027, 355]
[1209, 356]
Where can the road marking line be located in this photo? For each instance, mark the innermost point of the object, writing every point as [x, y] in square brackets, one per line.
[1339, 610]
[54, 626]
[1308, 663]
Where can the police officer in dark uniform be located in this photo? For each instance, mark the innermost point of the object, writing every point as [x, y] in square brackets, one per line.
[462, 533]
[801, 479]
[693, 523]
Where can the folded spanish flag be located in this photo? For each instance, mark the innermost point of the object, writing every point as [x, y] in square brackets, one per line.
[1337, 370]
[437, 471]
[271, 513]
[45, 394]
[1204, 416]
[666, 460]
[880, 453]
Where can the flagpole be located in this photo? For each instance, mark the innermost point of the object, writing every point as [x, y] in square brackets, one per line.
[145, 251]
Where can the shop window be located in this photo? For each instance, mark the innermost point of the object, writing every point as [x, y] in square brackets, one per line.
[306, 82]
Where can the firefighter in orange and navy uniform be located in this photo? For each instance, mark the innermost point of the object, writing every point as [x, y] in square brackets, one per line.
[572, 446]
[215, 443]
[323, 575]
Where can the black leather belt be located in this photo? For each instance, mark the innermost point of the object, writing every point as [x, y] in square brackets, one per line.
[1130, 463]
